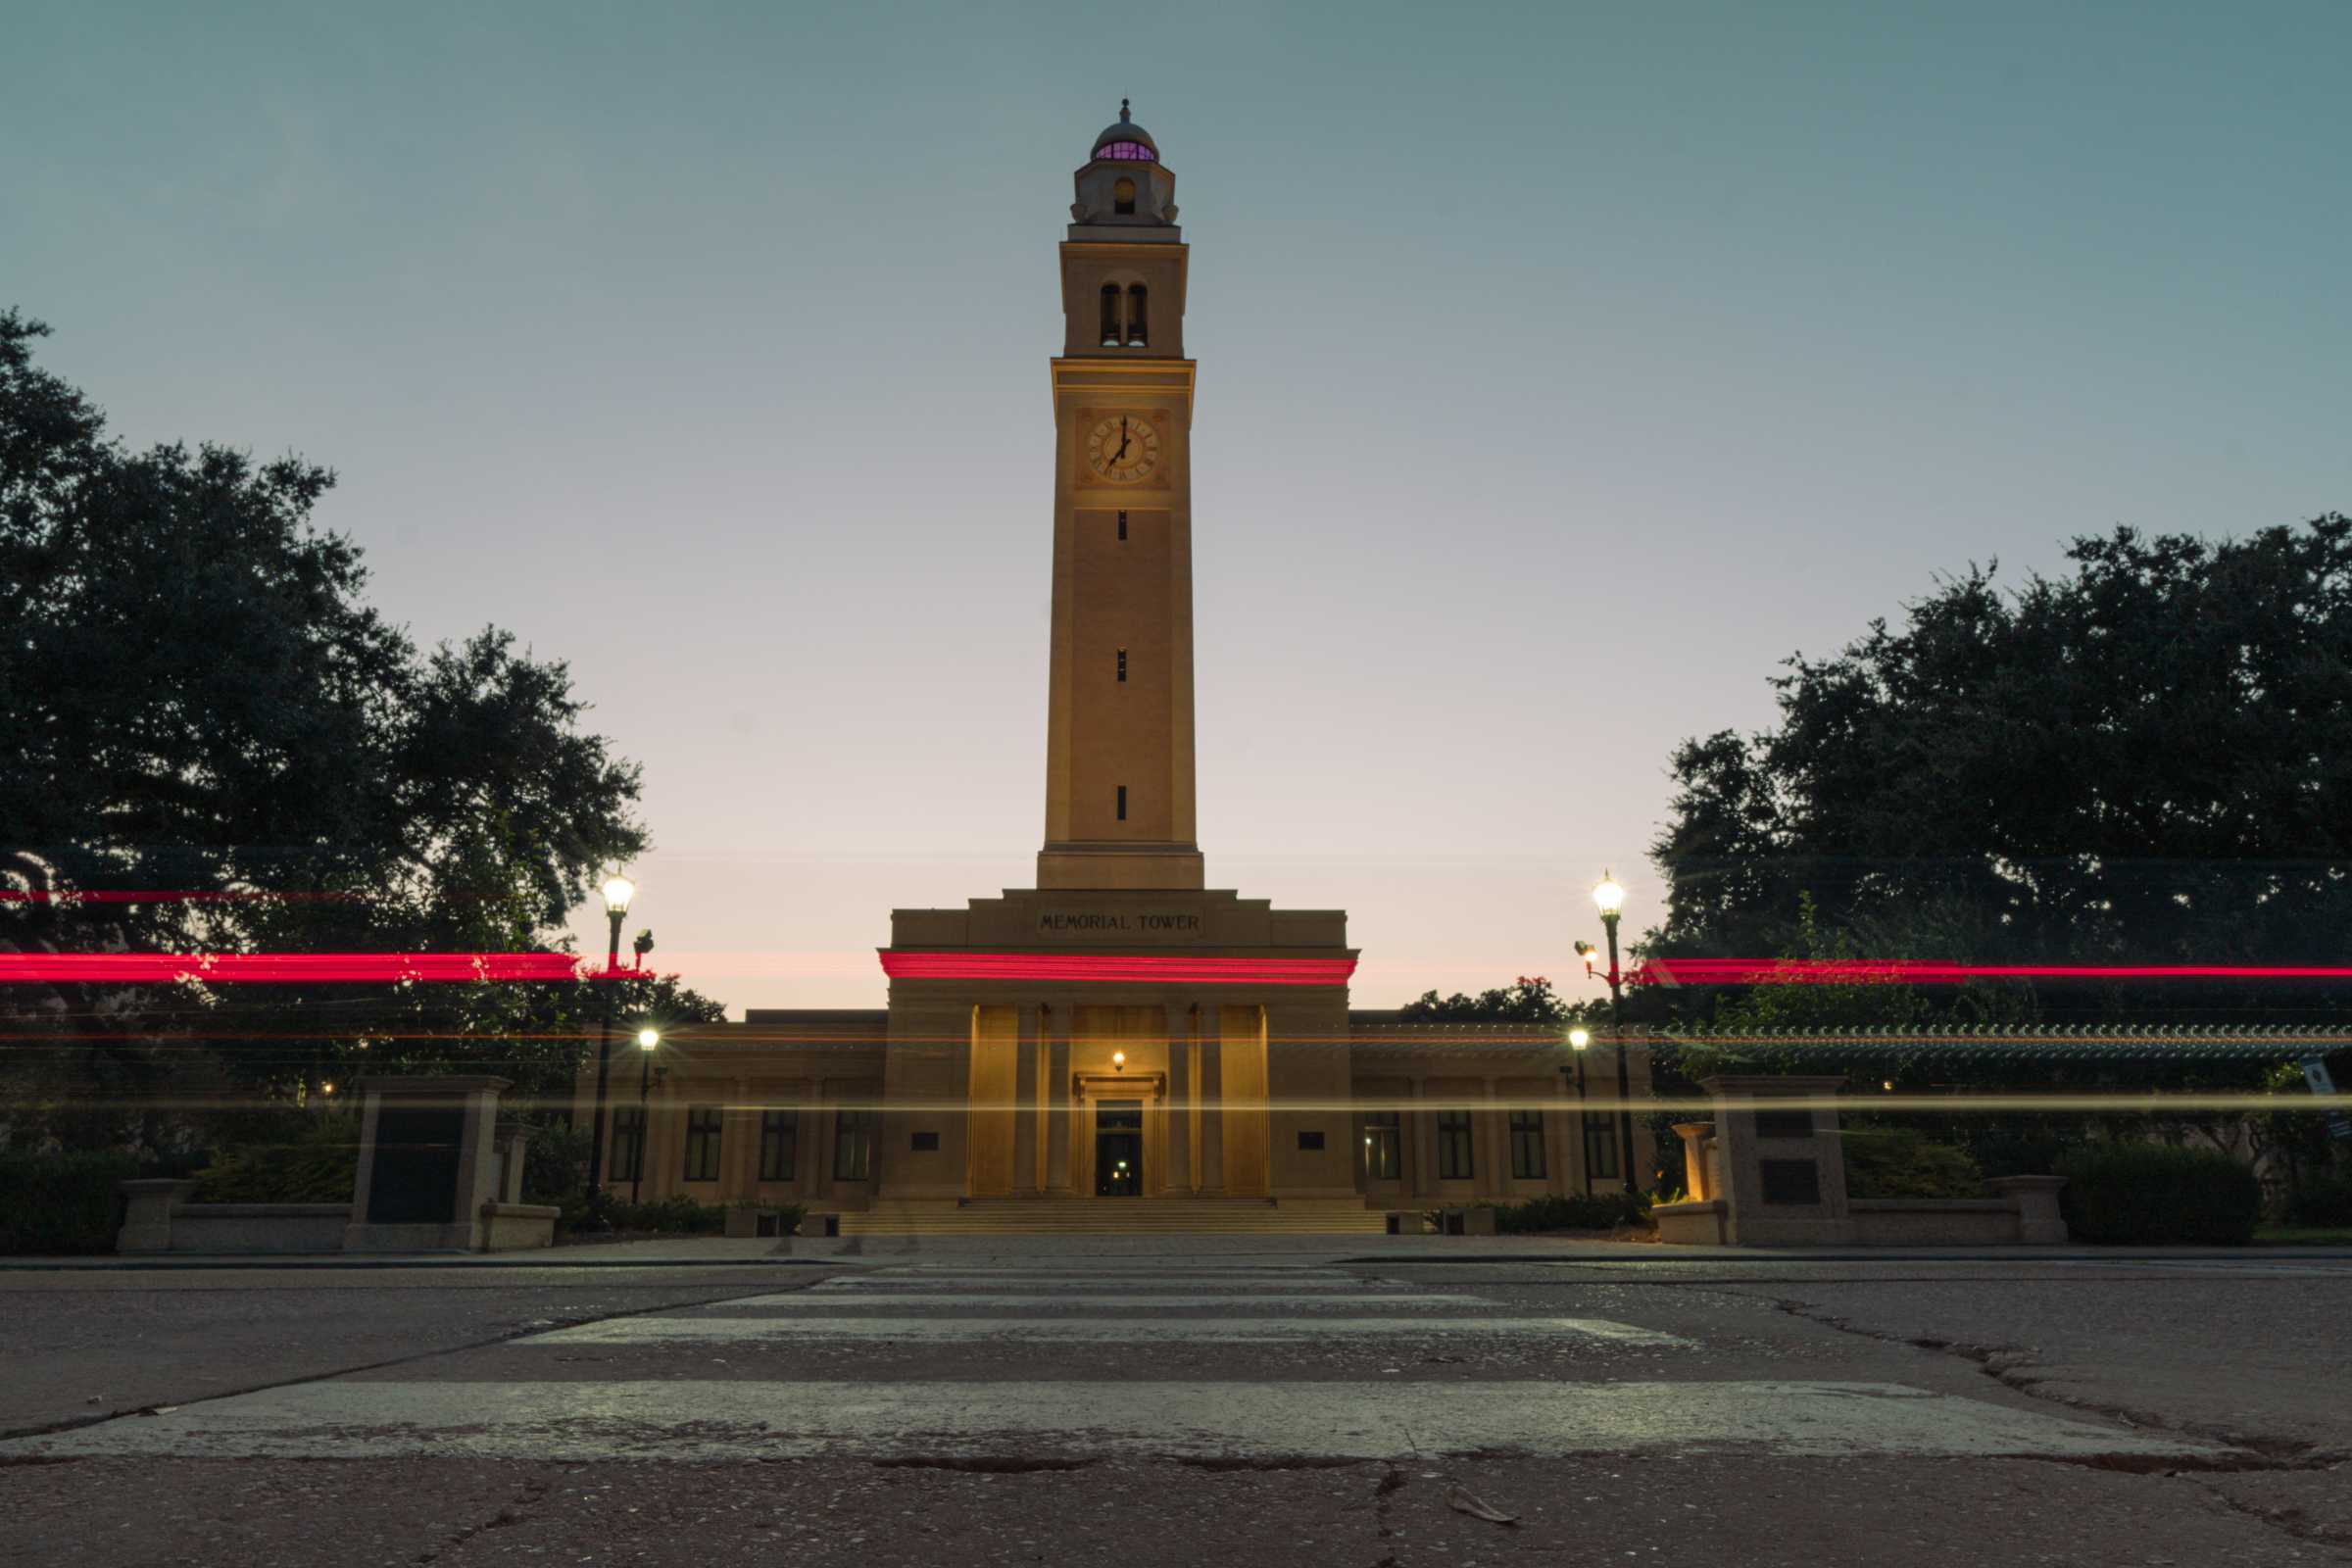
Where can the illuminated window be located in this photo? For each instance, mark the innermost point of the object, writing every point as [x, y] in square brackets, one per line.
[628, 1143]
[1111, 315]
[779, 1144]
[1122, 803]
[1122, 665]
[852, 1145]
[701, 1144]
[1122, 197]
[1600, 1148]
[1125, 152]
[1453, 1146]
[1122, 526]
[1135, 335]
[1526, 1145]
[1382, 1138]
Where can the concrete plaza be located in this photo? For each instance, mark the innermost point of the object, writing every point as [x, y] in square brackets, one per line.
[1182, 1399]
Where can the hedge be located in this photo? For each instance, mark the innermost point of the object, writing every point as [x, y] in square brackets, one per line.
[2148, 1194]
[1903, 1162]
[1575, 1212]
[51, 1204]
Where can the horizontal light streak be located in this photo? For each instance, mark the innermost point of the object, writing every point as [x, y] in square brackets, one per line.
[290, 968]
[1906, 972]
[1107, 968]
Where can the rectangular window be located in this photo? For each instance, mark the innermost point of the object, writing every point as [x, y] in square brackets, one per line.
[628, 1143]
[1122, 803]
[1526, 1145]
[779, 1144]
[702, 1143]
[924, 1143]
[1311, 1142]
[1122, 663]
[852, 1145]
[1453, 1146]
[1122, 527]
[1600, 1147]
[1383, 1141]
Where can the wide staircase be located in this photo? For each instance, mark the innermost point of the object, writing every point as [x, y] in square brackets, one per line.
[1034, 1216]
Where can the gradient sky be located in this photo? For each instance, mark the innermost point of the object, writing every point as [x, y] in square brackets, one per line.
[1562, 368]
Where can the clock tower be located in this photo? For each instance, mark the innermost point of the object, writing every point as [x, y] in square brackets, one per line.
[1119, 706]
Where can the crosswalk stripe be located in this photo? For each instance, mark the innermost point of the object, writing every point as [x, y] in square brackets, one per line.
[1090, 1301]
[742, 1418]
[1089, 1331]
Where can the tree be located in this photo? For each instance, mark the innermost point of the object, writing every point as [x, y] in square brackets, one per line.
[1527, 999]
[2148, 759]
[195, 700]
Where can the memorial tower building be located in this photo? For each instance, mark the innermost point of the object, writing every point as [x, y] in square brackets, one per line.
[1120, 1044]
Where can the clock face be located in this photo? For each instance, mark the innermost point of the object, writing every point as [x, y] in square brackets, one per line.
[1123, 448]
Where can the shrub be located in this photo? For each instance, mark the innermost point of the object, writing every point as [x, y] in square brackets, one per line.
[1555, 1211]
[671, 1216]
[2322, 1198]
[1903, 1162]
[2141, 1193]
[319, 1164]
[53, 1204]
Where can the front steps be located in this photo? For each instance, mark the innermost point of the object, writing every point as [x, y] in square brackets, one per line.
[1122, 1216]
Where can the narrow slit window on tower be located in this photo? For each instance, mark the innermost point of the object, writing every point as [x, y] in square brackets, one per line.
[1122, 663]
[1122, 526]
[1137, 336]
[1122, 197]
[1122, 803]
[1111, 315]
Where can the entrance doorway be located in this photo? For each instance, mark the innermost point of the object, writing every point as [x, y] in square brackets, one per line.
[1118, 1147]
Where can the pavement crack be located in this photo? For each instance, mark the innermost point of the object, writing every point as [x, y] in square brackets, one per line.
[2014, 1368]
[981, 1466]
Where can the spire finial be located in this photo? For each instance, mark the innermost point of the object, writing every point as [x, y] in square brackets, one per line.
[1122, 109]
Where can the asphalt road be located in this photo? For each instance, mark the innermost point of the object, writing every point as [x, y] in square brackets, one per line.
[1048, 1407]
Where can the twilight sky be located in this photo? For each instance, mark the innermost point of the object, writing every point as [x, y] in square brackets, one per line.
[1562, 368]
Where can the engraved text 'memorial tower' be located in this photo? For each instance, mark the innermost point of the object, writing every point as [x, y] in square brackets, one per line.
[1119, 730]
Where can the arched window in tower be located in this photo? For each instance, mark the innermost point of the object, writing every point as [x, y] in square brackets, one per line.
[1137, 337]
[1111, 315]
[1122, 197]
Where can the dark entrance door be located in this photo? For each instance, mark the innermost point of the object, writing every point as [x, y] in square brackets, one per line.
[1118, 1147]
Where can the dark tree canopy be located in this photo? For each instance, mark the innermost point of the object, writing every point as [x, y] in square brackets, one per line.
[2148, 759]
[1530, 998]
[195, 698]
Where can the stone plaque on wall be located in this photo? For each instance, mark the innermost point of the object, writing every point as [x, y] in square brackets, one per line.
[1790, 1181]
[414, 1178]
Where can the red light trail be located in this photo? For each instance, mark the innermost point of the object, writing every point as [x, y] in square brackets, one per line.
[1171, 968]
[1904, 971]
[291, 968]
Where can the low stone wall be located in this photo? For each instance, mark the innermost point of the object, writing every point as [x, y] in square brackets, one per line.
[1934, 1222]
[259, 1227]
[519, 1227]
[1704, 1223]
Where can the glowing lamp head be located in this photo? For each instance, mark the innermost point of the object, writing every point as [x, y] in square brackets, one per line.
[1579, 1038]
[617, 890]
[647, 1039]
[326, 1087]
[1118, 1059]
[1609, 896]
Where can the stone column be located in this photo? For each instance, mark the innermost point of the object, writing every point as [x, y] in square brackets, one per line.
[1181, 1115]
[428, 1164]
[1495, 1170]
[1208, 1030]
[1058, 1111]
[1424, 1136]
[147, 1220]
[1029, 1137]
[804, 1135]
[2035, 1200]
[1693, 1135]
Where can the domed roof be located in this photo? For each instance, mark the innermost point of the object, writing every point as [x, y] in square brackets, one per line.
[1126, 143]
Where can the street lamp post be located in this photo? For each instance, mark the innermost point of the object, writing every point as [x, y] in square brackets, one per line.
[649, 1040]
[617, 890]
[1579, 1038]
[1609, 898]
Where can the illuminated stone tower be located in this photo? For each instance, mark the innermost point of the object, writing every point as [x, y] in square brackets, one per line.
[1119, 732]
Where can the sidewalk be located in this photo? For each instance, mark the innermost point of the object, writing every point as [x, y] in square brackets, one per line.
[710, 1251]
